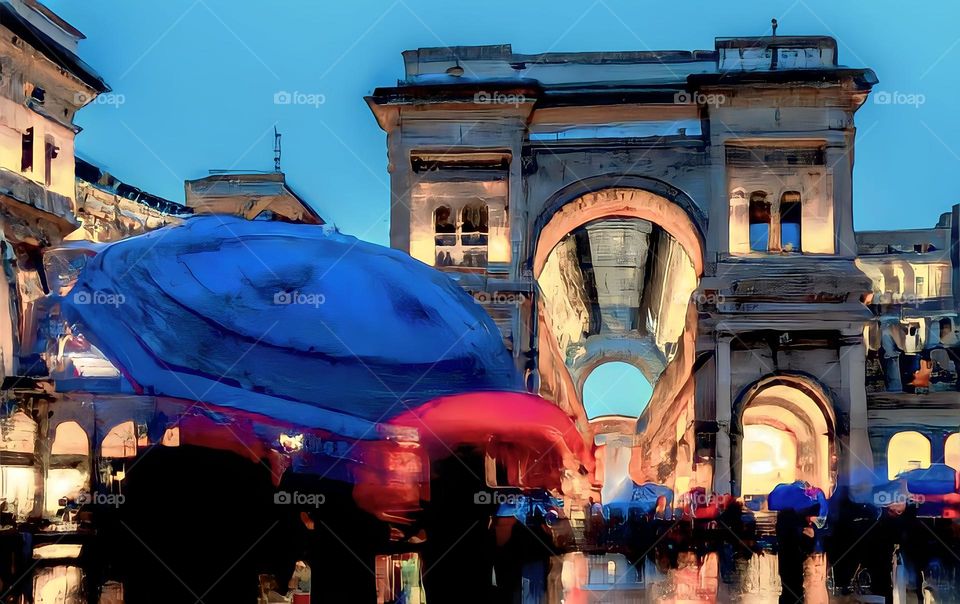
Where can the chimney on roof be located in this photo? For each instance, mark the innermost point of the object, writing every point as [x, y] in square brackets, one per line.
[276, 150]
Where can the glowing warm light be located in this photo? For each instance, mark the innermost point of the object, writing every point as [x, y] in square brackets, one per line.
[55, 551]
[907, 451]
[171, 437]
[58, 585]
[951, 451]
[62, 482]
[121, 441]
[18, 488]
[769, 458]
[775, 420]
[292, 443]
[19, 433]
[70, 439]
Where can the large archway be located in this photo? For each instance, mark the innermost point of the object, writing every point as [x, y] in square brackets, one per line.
[615, 270]
[622, 202]
[786, 433]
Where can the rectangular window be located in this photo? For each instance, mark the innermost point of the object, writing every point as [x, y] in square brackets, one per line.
[790, 207]
[759, 222]
[798, 186]
[50, 152]
[459, 210]
[26, 150]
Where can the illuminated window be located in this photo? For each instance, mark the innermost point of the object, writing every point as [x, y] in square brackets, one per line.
[951, 451]
[121, 441]
[790, 221]
[462, 243]
[611, 571]
[759, 222]
[18, 433]
[907, 451]
[443, 227]
[473, 234]
[18, 488]
[70, 439]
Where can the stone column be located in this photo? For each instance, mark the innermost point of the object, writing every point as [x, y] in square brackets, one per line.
[857, 465]
[721, 472]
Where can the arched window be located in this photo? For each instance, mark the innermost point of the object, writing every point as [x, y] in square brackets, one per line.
[473, 234]
[121, 441]
[759, 222]
[445, 235]
[951, 451]
[790, 221]
[70, 439]
[907, 450]
[19, 433]
[461, 242]
[616, 388]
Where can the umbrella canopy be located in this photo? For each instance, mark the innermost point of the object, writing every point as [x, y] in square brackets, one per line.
[629, 495]
[249, 314]
[546, 435]
[799, 497]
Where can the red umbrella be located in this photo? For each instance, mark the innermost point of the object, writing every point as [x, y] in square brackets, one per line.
[526, 427]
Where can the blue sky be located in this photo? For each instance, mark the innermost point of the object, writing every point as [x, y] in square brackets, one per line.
[197, 79]
[616, 388]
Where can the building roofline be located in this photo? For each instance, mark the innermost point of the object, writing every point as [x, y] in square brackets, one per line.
[56, 19]
[53, 50]
[280, 177]
[95, 175]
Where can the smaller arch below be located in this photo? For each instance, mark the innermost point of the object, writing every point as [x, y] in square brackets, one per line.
[616, 388]
[907, 450]
[786, 434]
[951, 451]
[70, 439]
[120, 441]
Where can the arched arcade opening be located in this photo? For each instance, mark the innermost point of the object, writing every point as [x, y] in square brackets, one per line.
[787, 429]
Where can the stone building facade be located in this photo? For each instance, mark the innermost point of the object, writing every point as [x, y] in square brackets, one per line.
[688, 213]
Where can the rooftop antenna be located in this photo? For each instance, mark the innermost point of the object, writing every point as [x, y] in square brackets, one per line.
[773, 24]
[276, 150]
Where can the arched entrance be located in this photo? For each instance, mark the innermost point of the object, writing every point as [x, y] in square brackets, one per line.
[786, 433]
[622, 202]
[615, 269]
